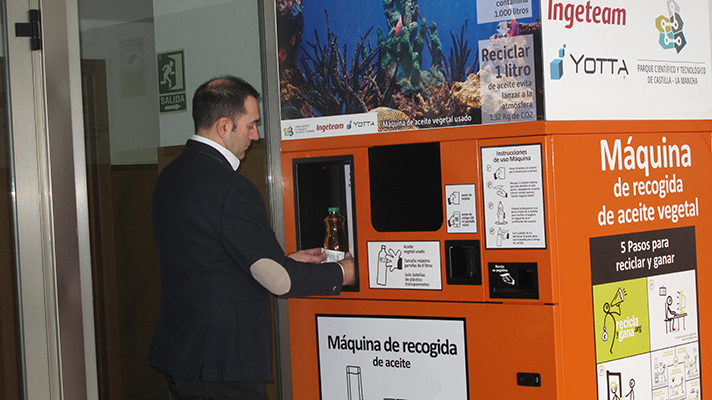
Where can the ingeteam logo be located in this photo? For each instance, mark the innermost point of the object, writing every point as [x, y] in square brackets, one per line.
[329, 127]
[585, 13]
[670, 28]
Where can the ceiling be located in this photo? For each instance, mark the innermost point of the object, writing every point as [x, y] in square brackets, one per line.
[116, 10]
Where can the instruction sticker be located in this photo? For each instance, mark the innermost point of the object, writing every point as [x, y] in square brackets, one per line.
[461, 211]
[404, 265]
[513, 197]
[645, 315]
[391, 358]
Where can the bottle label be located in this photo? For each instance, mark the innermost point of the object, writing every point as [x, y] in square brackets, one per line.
[333, 255]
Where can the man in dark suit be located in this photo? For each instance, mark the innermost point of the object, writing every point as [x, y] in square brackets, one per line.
[220, 258]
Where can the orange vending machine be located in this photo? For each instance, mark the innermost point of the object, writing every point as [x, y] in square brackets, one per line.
[533, 225]
[556, 265]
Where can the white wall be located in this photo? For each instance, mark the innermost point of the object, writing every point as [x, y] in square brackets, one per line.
[129, 51]
[218, 38]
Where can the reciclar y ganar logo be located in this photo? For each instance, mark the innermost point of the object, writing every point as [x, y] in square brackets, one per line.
[670, 28]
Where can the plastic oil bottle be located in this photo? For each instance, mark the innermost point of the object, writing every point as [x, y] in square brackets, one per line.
[335, 242]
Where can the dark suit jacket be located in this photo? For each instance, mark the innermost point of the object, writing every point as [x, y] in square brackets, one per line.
[210, 227]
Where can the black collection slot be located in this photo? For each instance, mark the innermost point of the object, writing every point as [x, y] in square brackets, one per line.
[320, 183]
[464, 265]
[513, 280]
[406, 187]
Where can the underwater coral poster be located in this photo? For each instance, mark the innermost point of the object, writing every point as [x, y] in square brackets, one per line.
[358, 67]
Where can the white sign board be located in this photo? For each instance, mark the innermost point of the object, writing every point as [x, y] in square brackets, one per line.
[404, 265]
[638, 59]
[351, 124]
[461, 210]
[391, 358]
[513, 197]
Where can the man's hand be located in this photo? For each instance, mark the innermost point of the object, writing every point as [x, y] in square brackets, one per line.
[317, 256]
[349, 269]
[308, 255]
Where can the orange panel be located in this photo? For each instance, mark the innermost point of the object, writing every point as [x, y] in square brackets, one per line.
[502, 340]
[457, 153]
[557, 334]
[581, 191]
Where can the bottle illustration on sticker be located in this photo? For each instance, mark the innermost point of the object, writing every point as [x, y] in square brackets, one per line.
[501, 215]
[388, 261]
[382, 268]
[354, 386]
[502, 235]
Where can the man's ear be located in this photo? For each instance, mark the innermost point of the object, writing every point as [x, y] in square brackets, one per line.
[223, 126]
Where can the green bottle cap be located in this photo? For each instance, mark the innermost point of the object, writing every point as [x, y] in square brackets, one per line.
[333, 209]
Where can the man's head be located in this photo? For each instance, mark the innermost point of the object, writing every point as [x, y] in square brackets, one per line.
[225, 110]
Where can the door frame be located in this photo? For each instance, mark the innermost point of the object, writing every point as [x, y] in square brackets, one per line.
[53, 255]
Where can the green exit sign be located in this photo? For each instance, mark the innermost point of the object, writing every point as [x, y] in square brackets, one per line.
[171, 81]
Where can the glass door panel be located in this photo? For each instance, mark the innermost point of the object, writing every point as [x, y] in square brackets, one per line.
[141, 62]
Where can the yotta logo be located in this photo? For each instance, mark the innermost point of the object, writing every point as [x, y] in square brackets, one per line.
[670, 28]
[360, 124]
[557, 66]
[587, 65]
